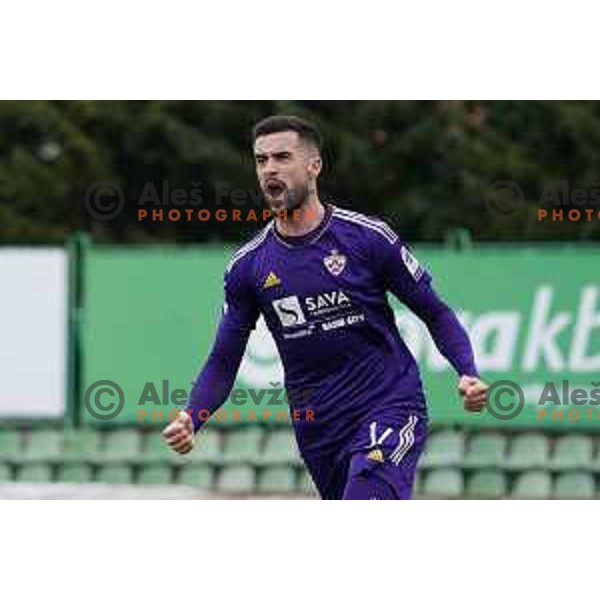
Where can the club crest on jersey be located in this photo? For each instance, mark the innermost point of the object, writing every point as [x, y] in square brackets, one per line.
[335, 262]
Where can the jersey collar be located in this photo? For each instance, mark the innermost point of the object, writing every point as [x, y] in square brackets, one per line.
[292, 241]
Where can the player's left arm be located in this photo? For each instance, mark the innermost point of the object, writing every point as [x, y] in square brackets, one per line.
[412, 284]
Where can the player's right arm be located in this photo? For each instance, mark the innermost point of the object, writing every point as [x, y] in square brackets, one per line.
[215, 380]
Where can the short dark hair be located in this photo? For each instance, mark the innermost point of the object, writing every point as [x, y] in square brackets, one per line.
[277, 123]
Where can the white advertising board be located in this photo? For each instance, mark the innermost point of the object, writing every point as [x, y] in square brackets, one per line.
[33, 333]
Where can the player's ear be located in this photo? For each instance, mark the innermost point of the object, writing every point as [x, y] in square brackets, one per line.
[314, 166]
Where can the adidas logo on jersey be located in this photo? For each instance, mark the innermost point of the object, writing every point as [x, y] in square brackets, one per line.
[271, 281]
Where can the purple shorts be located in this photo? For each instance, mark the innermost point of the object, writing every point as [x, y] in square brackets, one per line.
[379, 464]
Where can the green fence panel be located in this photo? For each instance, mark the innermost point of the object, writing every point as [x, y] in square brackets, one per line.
[150, 315]
[534, 317]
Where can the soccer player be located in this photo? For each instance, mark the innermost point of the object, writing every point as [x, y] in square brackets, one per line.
[320, 282]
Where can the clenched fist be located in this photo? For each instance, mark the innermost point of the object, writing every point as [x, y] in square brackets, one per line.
[179, 435]
[473, 391]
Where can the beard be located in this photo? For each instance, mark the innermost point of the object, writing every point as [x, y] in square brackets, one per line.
[289, 199]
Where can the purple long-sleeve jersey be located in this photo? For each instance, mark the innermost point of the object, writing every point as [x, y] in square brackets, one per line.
[323, 297]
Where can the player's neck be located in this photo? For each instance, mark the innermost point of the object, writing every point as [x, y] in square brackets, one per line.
[311, 215]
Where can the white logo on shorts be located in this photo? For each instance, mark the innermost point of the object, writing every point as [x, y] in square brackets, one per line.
[406, 439]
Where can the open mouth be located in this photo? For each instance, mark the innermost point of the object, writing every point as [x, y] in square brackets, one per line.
[274, 188]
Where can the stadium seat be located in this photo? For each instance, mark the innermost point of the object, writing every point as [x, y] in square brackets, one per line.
[237, 479]
[527, 451]
[121, 446]
[306, 485]
[280, 448]
[223, 425]
[200, 476]
[573, 452]
[155, 475]
[532, 484]
[487, 483]
[243, 445]
[443, 483]
[10, 444]
[157, 452]
[574, 485]
[208, 447]
[44, 445]
[595, 465]
[34, 473]
[444, 449]
[75, 473]
[5, 473]
[80, 445]
[486, 450]
[114, 474]
[277, 480]
[418, 484]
